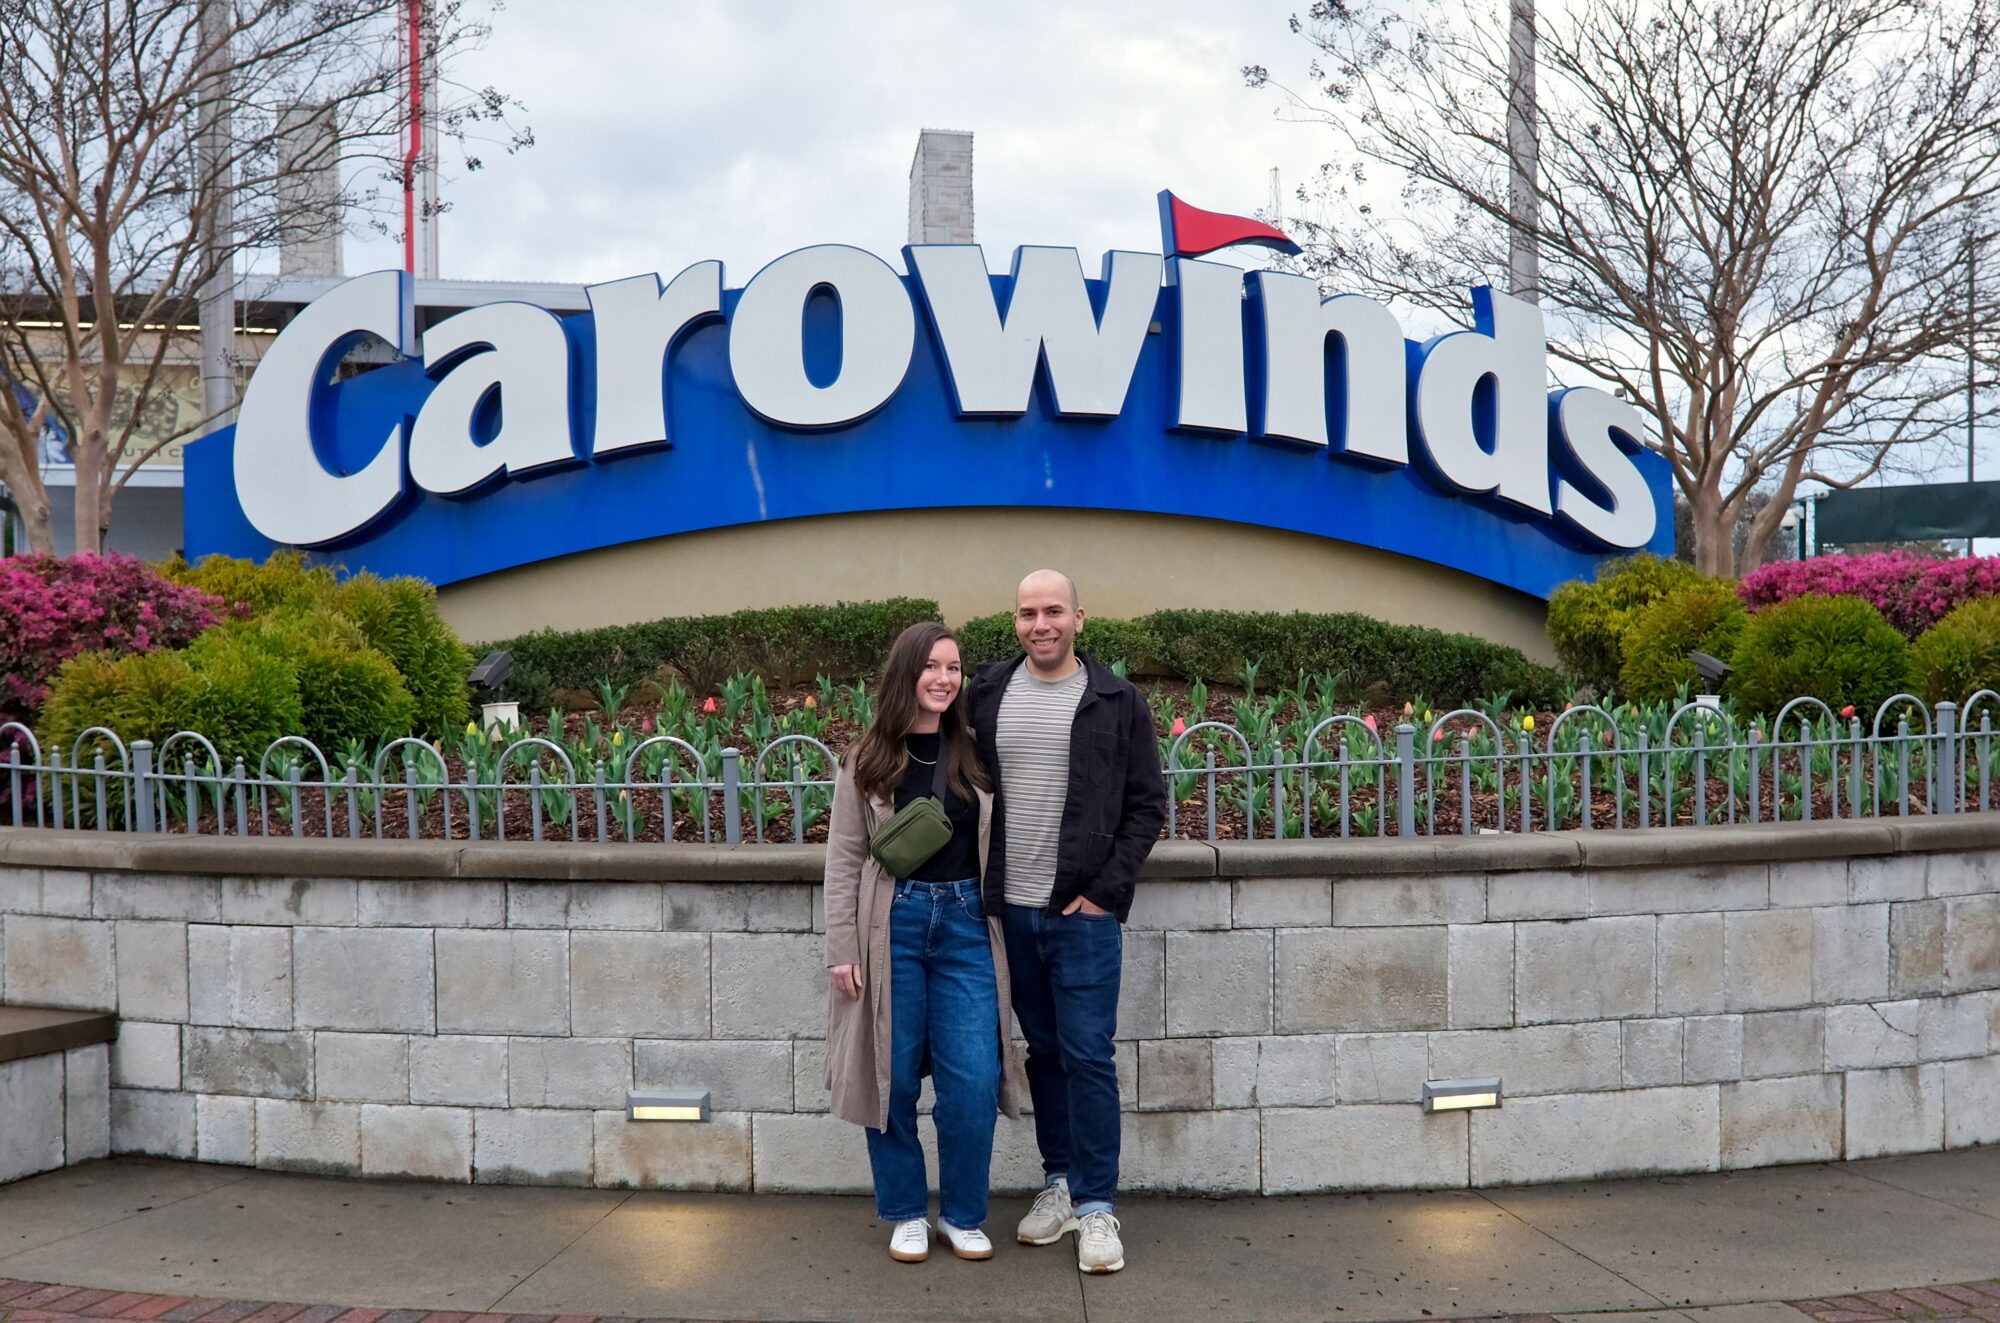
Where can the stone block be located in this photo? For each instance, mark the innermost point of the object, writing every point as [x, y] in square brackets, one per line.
[225, 1130]
[1972, 943]
[633, 906]
[769, 985]
[1951, 1027]
[1363, 1148]
[568, 1072]
[152, 969]
[1482, 975]
[1802, 883]
[1180, 904]
[1873, 1034]
[31, 1101]
[1652, 1053]
[1784, 1043]
[1191, 1153]
[418, 1143]
[240, 976]
[538, 904]
[86, 1103]
[1713, 1048]
[1850, 953]
[376, 980]
[1282, 902]
[1176, 1073]
[146, 1056]
[1587, 1136]
[1380, 1068]
[508, 982]
[1124, 1060]
[1218, 983]
[809, 1091]
[330, 902]
[1362, 979]
[1972, 1102]
[1550, 894]
[1583, 969]
[1691, 964]
[1962, 873]
[51, 891]
[64, 963]
[1916, 948]
[637, 984]
[653, 1155]
[750, 907]
[528, 1146]
[1142, 992]
[458, 1070]
[1552, 1058]
[432, 903]
[1282, 1070]
[260, 1063]
[372, 1068]
[739, 1076]
[1680, 890]
[1426, 898]
[811, 1153]
[1768, 959]
[1894, 1111]
[1773, 1121]
[1875, 878]
[145, 1121]
[321, 1138]
[150, 896]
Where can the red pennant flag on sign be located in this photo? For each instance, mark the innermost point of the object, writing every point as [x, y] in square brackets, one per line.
[1189, 231]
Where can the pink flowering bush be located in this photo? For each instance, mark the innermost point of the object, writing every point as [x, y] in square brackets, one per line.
[55, 608]
[1912, 592]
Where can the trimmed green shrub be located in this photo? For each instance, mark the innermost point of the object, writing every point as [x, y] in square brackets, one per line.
[347, 690]
[226, 686]
[399, 618]
[1705, 616]
[283, 580]
[245, 695]
[1587, 621]
[1836, 649]
[1959, 655]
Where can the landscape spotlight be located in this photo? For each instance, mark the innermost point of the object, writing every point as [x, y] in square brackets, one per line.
[1461, 1095]
[492, 671]
[666, 1105]
[1712, 670]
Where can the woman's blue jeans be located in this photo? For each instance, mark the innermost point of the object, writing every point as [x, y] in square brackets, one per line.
[944, 1007]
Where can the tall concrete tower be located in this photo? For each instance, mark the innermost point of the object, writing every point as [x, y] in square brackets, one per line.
[941, 187]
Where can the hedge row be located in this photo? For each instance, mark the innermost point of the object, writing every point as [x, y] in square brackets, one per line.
[793, 644]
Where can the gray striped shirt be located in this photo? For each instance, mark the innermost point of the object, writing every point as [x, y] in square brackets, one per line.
[1031, 736]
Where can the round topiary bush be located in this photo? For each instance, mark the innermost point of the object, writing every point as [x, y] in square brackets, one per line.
[347, 690]
[399, 618]
[1705, 617]
[1587, 621]
[1960, 655]
[1836, 649]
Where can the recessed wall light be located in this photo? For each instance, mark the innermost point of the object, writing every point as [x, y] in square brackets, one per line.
[1461, 1095]
[666, 1105]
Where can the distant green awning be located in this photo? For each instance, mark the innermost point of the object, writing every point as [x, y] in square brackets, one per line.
[1909, 514]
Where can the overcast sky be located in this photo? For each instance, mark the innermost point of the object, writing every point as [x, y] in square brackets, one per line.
[667, 133]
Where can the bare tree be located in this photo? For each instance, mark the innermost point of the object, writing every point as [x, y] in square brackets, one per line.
[1755, 216]
[113, 218]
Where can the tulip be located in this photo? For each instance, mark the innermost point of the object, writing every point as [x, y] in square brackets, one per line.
[1847, 711]
[811, 702]
[1369, 721]
[1528, 722]
[708, 705]
[1179, 727]
[1437, 736]
[1408, 708]
[617, 739]
[646, 725]
[472, 728]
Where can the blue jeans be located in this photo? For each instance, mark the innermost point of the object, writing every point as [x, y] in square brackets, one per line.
[1065, 970]
[944, 1008]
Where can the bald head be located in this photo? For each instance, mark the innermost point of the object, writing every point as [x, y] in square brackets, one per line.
[1046, 620]
[1045, 582]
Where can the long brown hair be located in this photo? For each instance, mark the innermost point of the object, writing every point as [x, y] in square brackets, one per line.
[879, 758]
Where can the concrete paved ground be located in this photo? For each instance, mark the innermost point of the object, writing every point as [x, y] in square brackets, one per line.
[1721, 1248]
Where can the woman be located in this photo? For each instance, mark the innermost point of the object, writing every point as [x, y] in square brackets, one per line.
[918, 973]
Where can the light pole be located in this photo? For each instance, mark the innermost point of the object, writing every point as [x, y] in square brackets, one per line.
[1523, 154]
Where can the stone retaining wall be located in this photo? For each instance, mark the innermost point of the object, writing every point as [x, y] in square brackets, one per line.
[1653, 1001]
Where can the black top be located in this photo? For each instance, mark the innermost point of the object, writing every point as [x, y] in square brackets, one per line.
[959, 859]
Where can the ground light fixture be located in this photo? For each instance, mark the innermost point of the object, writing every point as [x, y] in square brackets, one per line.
[666, 1105]
[1461, 1095]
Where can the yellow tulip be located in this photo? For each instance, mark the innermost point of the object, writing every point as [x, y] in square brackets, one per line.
[472, 728]
[617, 739]
[1528, 722]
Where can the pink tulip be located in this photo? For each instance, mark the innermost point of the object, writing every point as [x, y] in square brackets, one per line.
[646, 725]
[1179, 727]
[1847, 711]
[708, 705]
[1369, 721]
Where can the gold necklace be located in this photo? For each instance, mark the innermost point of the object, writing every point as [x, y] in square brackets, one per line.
[928, 762]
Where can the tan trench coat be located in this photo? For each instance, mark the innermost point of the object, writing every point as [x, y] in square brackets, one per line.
[859, 892]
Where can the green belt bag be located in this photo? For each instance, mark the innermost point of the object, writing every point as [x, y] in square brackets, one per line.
[919, 830]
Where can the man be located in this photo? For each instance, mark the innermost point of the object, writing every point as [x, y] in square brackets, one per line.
[1080, 803]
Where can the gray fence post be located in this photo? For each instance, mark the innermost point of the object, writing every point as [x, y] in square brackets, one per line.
[142, 786]
[1945, 779]
[732, 806]
[1406, 779]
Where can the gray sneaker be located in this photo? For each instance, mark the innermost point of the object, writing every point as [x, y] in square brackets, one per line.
[1050, 1217]
[1098, 1248]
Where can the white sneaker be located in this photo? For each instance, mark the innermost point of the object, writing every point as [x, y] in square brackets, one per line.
[1098, 1248]
[1050, 1217]
[972, 1244]
[912, 1241]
